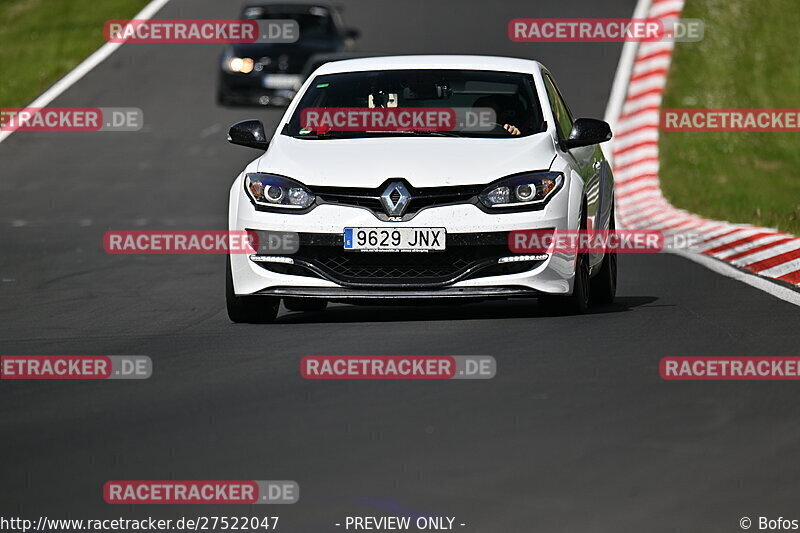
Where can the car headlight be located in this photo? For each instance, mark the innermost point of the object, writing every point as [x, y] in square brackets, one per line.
[243, 65]
[276, 191]
[528, 189]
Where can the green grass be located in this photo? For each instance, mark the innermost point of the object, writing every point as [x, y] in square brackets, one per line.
[42, 40]
[748, 59]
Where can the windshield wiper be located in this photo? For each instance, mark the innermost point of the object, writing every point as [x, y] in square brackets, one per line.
[421, 133]
[363, 134]
[321, 136]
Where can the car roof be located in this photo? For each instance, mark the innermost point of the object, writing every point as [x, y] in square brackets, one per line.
[317, 60]
[341, 56]
[445, 62]
[287, 4]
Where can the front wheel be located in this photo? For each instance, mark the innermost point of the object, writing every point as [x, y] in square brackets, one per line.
[604, 284]
[576, 303]
[248, 309]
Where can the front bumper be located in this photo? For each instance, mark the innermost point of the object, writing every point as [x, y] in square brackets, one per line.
[468, 268]
[381, 296]
[248, 89]
[467, 256]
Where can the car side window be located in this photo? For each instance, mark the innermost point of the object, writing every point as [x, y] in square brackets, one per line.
[560, 110]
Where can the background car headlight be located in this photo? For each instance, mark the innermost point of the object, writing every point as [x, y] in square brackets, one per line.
[529, 189]
[276, 191]
[242, 65]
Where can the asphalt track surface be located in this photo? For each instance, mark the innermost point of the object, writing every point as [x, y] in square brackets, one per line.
[576, 433]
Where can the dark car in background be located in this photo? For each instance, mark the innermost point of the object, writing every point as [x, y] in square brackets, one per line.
[317, 60]
[269, 73]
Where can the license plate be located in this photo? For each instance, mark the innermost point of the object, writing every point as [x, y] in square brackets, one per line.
[281, 81]
[395, 239]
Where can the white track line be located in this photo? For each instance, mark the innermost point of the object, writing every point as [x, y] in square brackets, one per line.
[770, 287]
[620, 86]
[736, 250]
[782, 269]
[640, 112]
[768, 253]
[87, 65]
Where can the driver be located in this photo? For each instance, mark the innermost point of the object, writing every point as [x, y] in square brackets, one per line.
[502, 112]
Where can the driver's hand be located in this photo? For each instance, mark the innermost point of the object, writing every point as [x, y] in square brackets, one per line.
[513, 130]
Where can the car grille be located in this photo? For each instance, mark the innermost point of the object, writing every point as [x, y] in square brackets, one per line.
[467, 256]
[403, 267]
[420, 198]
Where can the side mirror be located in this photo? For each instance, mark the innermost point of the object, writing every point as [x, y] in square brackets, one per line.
[248, 133]
[352, 33]
[588, 131]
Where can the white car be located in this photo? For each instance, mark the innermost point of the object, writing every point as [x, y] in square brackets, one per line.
[362, 213]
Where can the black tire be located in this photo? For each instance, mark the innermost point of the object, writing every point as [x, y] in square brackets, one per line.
[604, 284]
[248, 309]
[576, 303]
[222, 99]
[305, 304]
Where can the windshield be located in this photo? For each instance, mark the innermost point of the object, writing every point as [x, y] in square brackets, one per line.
[462, 103]
[314, 22]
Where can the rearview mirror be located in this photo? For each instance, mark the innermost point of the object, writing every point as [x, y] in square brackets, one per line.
[352, 33]
[588, 131]
[248, 133]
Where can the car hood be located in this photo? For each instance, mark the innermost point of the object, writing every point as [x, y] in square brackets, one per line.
[422, 161]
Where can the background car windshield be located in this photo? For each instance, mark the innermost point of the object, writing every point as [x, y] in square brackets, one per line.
[315, 22]
[510, 95]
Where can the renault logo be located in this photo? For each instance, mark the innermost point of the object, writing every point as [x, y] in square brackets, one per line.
[395, 199]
